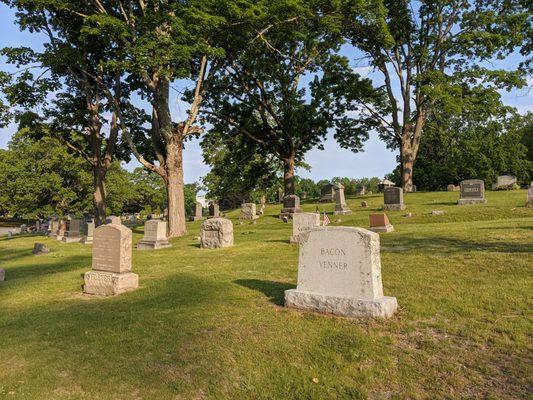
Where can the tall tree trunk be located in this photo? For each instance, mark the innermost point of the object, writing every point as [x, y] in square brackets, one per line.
[175, 188]
[99, 195]
[407, 162]
[288, 175]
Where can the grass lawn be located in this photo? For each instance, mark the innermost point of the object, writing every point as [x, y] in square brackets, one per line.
[210, 324]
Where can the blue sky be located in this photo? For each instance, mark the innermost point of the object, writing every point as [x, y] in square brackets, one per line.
[376, 160]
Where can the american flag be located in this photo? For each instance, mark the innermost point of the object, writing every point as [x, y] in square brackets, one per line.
[326, 220]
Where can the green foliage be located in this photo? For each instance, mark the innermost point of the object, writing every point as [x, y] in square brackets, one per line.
[475, 145]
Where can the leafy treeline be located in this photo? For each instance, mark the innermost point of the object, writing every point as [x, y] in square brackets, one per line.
[41, 177]
[267, 79]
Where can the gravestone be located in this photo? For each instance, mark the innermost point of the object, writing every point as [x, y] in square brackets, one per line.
[37, 226]
[111, 267]
[326, 193]
[472, 192]
[61, 231]
[393, 199]
[53, 228]
[248, 211]
[88, 232]
[340, 202]
[155, 235]
[2, 274]
[339, 272]
[380, 223]
[73, 234]
[24, 228]
[198, 212]
[113, 219]
[360, 191]
[291, 205]
[529, 201]
[504, 182]
[451, 188]
[10, 234]
[216, 233]
[364, 204]
[214, 210]
[40, 248]
[303, 222]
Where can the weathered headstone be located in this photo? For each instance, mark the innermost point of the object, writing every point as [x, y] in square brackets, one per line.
[214, 210]
[2, 274]
[155, 235]
[73, 234]
[53, 228]
[340, 202]
[529, 201]
[113, 219]
[364, 204]
[504, 182]
[216, 233]
[61, 231]
[40, 248]
[451, 188]
[248, 211]
[111, 268]
[198, 212]
[24, 228]
[437, 212]
[279, 195]
[10, 234]
[88, 232]
[291, 205]
[472, 192]
[380, 223]
[360, 191]
[303, 222]
[326, 193]
[339, 272]
[393, 199]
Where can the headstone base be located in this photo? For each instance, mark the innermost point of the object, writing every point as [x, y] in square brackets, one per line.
[87, 240]
[382, 229]
[471, 201]
[59, 238]
[71, 239]
[287, 212]
[383, 307]
[393, 207]
[342, 211]
[153, 245]
[104, 283]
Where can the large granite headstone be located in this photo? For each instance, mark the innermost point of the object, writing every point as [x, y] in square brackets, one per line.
[62, 229]
[216, 233]
[472, 192]
[340, 202]
[248, 211]
[303, 222]
[339, 272]
[111, 273]
[291, 205]
[393, 199]
[73, 235]
[155, 235]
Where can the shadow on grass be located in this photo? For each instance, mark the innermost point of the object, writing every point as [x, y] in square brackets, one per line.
[458, 245]
[52, 266]
[273, 290]
[441, 203]
[13, 254]
[285, 241]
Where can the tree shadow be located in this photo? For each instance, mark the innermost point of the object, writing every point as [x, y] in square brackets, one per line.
[285, 241]
[275, 291]
[55, 265]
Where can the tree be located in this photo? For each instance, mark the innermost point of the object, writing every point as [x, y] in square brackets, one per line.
[41, 178]
[164, 42]
[426, 53]
[283, 82]
[72, 70]
[483, 142]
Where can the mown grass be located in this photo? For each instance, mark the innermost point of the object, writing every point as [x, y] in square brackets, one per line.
[209, 324]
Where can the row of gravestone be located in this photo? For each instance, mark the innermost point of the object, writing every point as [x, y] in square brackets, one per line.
[339, 268]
